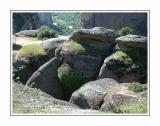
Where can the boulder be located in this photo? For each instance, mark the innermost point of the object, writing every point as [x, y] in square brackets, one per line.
[45, 78]
[27, 33]
[132, 41]
[120, 95]
[96, 33]
[91, 94]
[51, 44]
[24, 67]
[123, 66]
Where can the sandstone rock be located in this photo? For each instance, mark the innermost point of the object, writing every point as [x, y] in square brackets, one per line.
[45, 78]
[132, 41]
[51, 44]
[91, 94]
[125, 67]
[98, 34]
[27, 33]
[120, 96]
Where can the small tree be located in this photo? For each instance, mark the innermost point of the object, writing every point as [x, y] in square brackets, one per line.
[45, 32]
[125, 31]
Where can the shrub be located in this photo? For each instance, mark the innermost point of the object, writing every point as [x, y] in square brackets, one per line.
[137, 87]
[125, 31]
[31, 49]
[45, 32]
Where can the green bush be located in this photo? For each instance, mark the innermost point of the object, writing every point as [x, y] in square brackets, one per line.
[137, 87]
[125, 31]
[45, 32]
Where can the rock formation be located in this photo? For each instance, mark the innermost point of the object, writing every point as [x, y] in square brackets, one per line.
[32, 21]
[116, 21]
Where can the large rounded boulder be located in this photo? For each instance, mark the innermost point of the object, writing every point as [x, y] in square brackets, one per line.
[132, 41]
[91, 94]
[45, 78]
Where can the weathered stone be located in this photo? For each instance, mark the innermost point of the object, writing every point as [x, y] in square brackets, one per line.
[51, 44]
[97, 34]
[91, 94]
[31, 21]
[27, 33]
[132, 41]
[45, 78]
[116, 21]
[120, 96]
[124, 67]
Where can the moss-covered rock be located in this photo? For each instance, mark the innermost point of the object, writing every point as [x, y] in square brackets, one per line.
[125, 66]
[70, 81]
[119, 97]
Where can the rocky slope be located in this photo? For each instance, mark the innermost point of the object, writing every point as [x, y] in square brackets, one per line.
[94, 69]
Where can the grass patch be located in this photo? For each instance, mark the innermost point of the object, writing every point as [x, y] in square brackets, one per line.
[33, 39]
[139, 107]
[32, 49]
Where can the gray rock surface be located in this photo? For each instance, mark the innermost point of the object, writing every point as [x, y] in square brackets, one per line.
[51, 44]
[45, 78]
[96, 33]
[91, 94]
[132, 41]
[116, 21]
[27, 33]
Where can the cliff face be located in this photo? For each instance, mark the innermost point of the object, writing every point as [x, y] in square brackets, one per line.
[31, 21]
[116, 21]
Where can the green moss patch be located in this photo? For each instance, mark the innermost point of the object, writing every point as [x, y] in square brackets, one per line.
[85, 46]
[69, 80]
[123, 57]
[73, 46]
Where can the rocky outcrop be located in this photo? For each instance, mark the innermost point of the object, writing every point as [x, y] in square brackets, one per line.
[91, 94]
[120, 95]
[45, 78]
[128, 63]
[132, 41]
[116, 21]
[83, 55]
[27, 33]
[32, 21]
[97, 33]
[51, 44]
